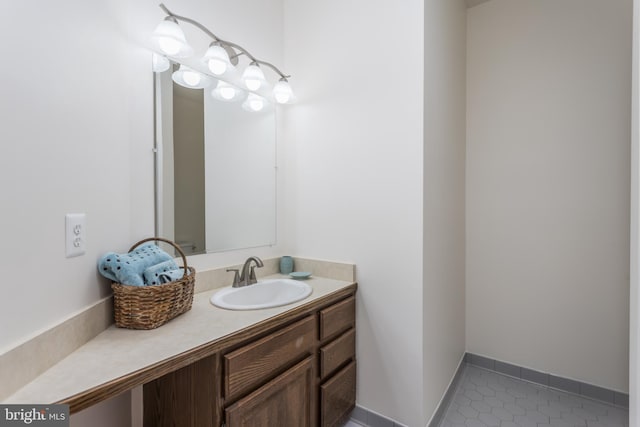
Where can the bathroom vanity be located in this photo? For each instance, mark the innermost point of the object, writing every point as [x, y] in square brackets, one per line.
[299, 371]
[293, 365]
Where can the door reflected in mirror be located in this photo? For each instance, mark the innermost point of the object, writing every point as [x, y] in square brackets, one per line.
[215, 170]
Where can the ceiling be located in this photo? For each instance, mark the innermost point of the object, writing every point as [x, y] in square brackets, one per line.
[471, 3]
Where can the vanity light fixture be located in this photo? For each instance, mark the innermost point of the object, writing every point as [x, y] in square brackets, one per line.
[220, 57]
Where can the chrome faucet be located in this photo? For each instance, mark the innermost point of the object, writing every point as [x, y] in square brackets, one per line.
[248, 274]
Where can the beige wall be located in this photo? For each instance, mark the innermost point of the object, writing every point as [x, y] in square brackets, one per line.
[548, 131]
[444, 196]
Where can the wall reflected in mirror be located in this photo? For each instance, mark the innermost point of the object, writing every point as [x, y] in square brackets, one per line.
[215, 170]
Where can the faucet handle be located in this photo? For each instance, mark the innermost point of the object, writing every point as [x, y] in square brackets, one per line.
[236, 276]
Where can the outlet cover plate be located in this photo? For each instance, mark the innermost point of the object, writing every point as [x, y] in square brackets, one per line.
[75, 234]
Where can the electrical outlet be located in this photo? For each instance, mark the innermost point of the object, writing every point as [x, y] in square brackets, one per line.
[75, 234]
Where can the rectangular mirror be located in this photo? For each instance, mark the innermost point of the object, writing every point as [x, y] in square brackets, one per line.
[215, 170]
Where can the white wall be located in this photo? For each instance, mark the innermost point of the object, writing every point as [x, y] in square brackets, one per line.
[79, 138]
[548, 136]
[444, 195]
[70, 146]
[77, 126]
[355, 144]
[354, 147]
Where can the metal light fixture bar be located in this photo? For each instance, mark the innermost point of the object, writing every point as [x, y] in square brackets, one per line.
[227, 45]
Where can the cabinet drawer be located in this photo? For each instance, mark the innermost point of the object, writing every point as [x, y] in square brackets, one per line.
[338, 397]
[337, 318]
[337, 352]
[254, 363]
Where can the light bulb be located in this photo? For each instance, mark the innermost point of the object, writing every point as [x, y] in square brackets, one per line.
[159, 63]
[217, 59]
[254, 103]
[227, 92]
[170, 39]
[253, 77]
[253, 84]
[282, 92]
[192, 78]
[217, 66]
[169, 45]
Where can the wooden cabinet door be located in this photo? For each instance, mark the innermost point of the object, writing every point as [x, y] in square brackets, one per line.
[338, 397]
[283, 402]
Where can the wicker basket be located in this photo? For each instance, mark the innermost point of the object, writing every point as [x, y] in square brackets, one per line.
[147, 307]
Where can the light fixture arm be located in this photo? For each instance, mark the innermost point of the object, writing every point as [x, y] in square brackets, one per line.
[225, 43]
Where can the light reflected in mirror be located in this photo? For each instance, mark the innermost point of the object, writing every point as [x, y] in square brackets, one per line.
[215, 170]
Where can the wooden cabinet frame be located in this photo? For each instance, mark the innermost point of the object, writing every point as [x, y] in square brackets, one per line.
[244, 375]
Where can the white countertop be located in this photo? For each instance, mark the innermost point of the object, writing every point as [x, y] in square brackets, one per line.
[118, 352]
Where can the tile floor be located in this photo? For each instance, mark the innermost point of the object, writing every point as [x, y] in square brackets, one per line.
[488, 399]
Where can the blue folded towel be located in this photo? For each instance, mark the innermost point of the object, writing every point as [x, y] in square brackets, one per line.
[128, 268]
[172, 275]
[164, 272]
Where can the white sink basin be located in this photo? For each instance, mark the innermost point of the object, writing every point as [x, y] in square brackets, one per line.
[264, 294]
